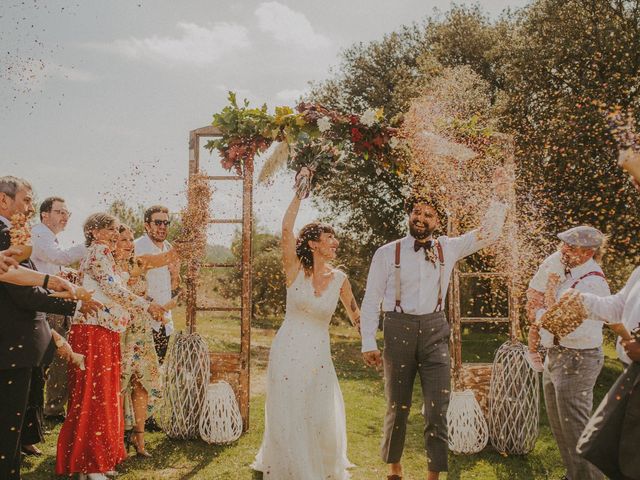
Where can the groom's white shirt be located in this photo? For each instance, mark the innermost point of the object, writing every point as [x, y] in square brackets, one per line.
[418, 277]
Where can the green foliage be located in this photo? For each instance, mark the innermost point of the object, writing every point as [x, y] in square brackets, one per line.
[545, 66]
[269, 283]
[566, 55]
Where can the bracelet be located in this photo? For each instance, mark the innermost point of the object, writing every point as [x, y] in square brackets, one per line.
[46, 281]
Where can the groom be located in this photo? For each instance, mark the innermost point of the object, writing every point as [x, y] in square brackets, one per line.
[409, 278]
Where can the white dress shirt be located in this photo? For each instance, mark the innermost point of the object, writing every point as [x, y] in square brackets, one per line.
[419, 277]
[623, 307]
[49, 255]
[589, 334]
[158, 279]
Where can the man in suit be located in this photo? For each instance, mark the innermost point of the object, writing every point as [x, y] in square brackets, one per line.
[25, 337]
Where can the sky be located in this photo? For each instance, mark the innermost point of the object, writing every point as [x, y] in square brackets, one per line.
[98, 97]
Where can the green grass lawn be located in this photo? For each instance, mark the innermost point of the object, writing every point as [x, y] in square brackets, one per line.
[364, 398]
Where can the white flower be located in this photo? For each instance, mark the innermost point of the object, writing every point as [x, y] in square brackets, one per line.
[368, 118]
[394, 142]
[324, 124]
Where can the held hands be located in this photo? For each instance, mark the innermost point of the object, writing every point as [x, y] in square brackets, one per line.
[157, 312]
[89, 307]
[373, 358]
[632, 347]
[59, 284]
[66, 353]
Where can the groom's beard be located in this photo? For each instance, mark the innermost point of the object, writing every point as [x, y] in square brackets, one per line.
[420, 233]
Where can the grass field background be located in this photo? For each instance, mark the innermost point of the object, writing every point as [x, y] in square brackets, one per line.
[364, 399]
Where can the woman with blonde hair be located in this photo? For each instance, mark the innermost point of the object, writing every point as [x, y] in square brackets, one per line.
[91, 439]
[141, 385]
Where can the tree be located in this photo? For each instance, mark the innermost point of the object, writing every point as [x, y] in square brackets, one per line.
[564, 56]
[546, 64]
[269, 283]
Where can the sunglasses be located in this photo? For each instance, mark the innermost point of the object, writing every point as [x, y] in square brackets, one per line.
[157, 223]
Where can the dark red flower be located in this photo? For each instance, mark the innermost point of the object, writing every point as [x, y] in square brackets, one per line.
[378, 141]
[356, 136]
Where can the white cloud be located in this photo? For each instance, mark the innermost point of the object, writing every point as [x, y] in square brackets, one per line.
[288, 26]
[196, 46]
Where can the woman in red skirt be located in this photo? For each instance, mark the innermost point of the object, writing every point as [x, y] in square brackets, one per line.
[91, 439]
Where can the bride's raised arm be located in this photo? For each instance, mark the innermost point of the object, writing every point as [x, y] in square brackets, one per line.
[289, 256]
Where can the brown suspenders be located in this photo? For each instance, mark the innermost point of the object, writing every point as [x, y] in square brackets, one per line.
[398, 306]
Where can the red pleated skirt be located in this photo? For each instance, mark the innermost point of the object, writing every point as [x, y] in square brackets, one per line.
[92, 437]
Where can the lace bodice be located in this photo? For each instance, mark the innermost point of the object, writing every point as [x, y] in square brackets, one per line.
[303, 303]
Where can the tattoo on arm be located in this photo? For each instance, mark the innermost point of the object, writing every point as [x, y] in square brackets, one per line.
[353, 305]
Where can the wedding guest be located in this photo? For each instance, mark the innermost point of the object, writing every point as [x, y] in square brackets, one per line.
[49, 255]
[416, 332]
[141, 384]
[160, 281]
[26, 341]
[573, 362]
[91, 438]
[609, 440]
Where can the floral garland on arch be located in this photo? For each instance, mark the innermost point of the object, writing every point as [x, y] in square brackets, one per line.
[311, 136]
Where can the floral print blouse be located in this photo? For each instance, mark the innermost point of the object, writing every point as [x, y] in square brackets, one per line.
[98, 273]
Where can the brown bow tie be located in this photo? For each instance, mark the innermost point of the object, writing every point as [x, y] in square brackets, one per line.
[417, 245]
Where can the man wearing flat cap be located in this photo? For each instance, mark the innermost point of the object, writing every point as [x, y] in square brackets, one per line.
[573, 362]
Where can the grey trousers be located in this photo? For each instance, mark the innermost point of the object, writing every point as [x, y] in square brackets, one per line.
[57, 393]
[568, 380]
[416, 344]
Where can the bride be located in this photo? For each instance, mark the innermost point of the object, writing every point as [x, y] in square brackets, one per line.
[305, 430]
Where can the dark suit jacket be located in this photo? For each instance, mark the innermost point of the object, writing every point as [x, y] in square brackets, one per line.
[610, 439]
[25, 336]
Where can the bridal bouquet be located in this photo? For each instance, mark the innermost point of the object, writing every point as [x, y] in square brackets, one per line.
[312, 136]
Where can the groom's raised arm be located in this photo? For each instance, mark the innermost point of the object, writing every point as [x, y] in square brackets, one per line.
[373, 296]
[482, 237]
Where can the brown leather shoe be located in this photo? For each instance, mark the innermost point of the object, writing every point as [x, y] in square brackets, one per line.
[394, 477]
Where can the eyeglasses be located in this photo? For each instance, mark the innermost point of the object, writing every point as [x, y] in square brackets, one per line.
[64, 213]
[157, 223]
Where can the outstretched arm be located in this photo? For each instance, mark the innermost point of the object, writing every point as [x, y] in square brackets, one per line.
[289, 256]
[350, 304]
[157, 260]
[492, 224]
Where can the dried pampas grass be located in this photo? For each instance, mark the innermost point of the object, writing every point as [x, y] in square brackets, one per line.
[192, 242]
[276, 161]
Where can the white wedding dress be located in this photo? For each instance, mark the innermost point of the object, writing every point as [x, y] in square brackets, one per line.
[305, 429]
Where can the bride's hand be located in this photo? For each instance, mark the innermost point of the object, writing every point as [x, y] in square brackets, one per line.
[373, 358]
[303, 182]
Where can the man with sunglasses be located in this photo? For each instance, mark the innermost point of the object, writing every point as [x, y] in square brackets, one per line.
[49, 256]
[160, 281]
